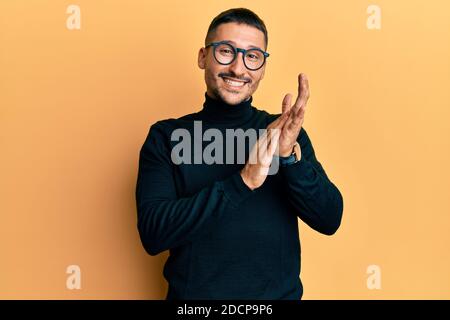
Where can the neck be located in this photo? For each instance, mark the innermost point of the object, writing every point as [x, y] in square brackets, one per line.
[218, 110]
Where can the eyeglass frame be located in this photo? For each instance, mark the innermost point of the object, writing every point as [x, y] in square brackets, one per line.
[236, 53]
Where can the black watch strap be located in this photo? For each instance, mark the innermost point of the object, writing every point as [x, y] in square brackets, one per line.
[293, 158]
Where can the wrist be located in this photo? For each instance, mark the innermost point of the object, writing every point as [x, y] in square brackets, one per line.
[294, 156]
[286, 152]
[246, 180]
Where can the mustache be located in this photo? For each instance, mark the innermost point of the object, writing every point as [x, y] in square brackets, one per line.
[233, 76]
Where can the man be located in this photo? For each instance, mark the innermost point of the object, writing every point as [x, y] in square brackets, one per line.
[231, 227]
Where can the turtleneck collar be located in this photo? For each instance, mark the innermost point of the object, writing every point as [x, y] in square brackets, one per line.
[220, 111]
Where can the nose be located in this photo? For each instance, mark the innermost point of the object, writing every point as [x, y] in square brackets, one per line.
[238, 66]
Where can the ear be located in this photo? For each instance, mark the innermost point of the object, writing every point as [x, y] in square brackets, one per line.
[202, 58]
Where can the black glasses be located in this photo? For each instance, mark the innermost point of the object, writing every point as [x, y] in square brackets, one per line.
[225, 53]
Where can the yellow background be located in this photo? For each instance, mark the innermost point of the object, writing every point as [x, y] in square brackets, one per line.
[76, 106]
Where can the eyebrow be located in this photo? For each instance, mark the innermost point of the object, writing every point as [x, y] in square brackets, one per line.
[250, 47]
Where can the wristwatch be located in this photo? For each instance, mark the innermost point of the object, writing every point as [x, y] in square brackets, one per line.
[293, 158]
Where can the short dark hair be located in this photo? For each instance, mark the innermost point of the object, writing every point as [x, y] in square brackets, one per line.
[238, 15]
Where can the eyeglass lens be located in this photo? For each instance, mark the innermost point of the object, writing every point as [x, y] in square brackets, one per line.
[225, 54]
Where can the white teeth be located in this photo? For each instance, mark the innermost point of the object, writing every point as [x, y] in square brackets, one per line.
[234, 83]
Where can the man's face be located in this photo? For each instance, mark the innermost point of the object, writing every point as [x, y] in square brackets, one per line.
[216, 75]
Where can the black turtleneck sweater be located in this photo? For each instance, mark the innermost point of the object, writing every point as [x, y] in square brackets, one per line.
[225, 240]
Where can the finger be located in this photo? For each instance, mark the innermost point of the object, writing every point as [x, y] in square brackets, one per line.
[275, 122]
[295, 121]
[296, 126]
[303, 91]
[273, 143]
[262, 147]
[290, 120]
[286, 105]
[266, 155]
[283, 118]
[279, 122]
[271, 135]
[300, 113]
[256, 150]
[263, 141]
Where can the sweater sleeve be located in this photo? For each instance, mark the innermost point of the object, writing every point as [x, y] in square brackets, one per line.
[166, 221]
[317, 201]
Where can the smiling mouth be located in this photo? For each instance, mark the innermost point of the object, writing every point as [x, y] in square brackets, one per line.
[234, 83]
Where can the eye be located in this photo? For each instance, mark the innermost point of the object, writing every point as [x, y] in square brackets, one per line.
[226, 51]
[253, 56]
